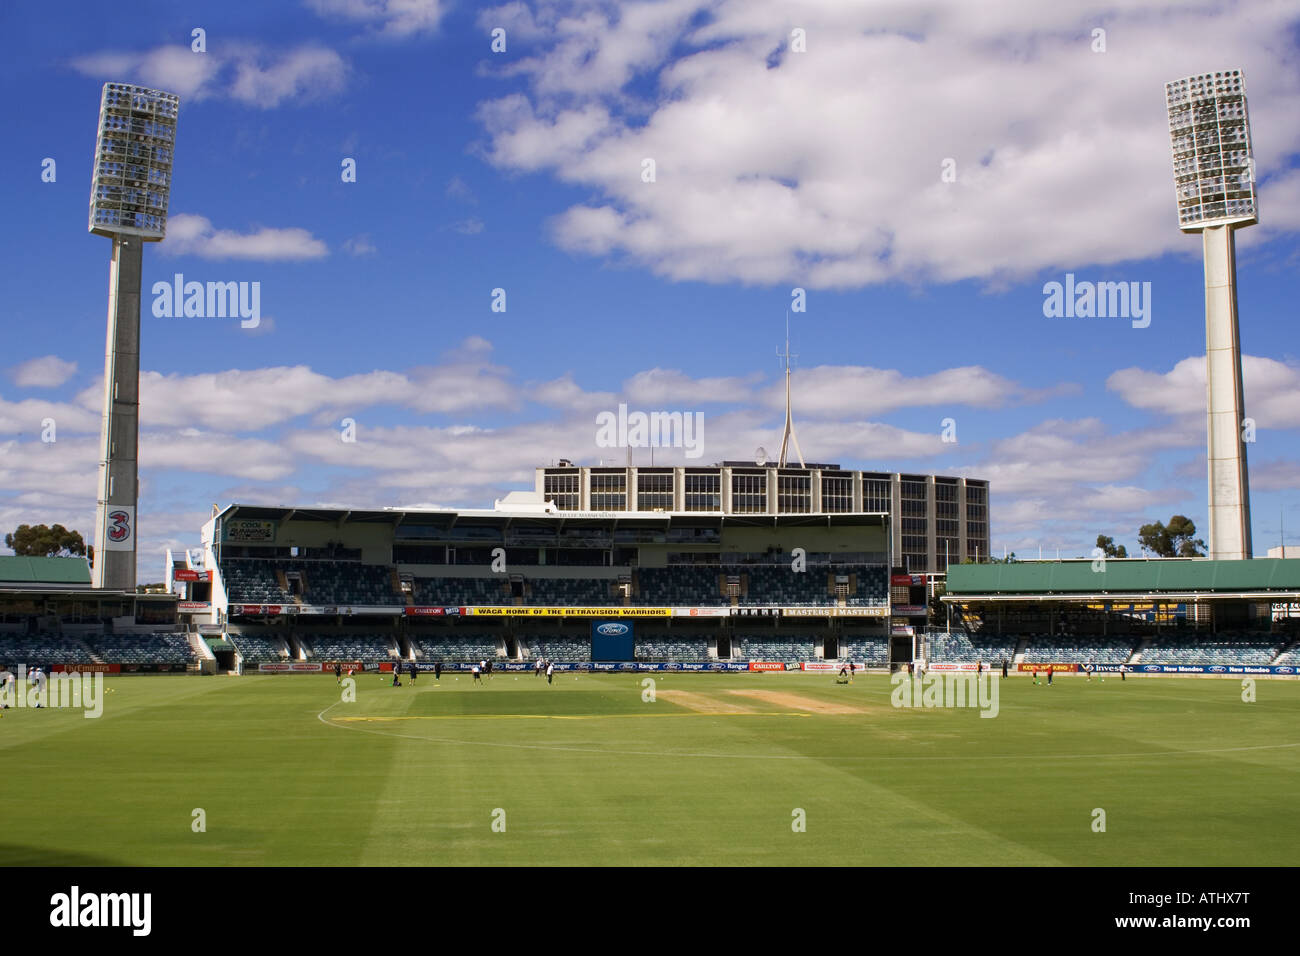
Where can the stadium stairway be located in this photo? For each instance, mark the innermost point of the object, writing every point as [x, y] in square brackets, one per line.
[1284, 650]
[200, 647]
[1136, 656]
[1018, 656]
[91, 653]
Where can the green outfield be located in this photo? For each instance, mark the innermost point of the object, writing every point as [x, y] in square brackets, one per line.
[714, 771]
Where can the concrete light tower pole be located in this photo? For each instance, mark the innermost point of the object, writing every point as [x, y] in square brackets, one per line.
[1214, 179]
[128, 203]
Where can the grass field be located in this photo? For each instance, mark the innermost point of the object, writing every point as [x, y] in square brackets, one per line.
[286, 773]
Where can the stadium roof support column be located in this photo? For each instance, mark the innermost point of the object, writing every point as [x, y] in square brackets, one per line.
[1214, 184]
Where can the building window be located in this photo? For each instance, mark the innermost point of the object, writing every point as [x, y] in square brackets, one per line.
[609, 492]
[749, 494]
[837, 494]
[794, 494]
[654, 492]
[876, 495]
[703, 492]
[562, 490]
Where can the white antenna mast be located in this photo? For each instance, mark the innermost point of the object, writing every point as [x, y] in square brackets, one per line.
[789, 417]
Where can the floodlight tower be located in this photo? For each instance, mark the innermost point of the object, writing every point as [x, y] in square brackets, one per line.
[128, 203]
[1214, 180]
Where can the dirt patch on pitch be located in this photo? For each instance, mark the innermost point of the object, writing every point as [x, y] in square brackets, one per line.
[702, 703]
[797, 702]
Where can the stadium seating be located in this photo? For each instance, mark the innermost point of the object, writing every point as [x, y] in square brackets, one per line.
[679, 587]
[557, 647]
[958, 647]
[454, 591]
[1290, 657]
[1212, 649]
[869, 650]
[345, 582]
[255, 581]
[675, 648]
[143, 648]
[768, 647]
[455, 648]
[349, 647]
[258, 648]
[571, 592]
[40, 650]
[1063, 649]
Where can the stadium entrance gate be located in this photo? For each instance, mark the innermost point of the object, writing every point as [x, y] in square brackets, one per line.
[724, 646]
[830, 648]
[900, 650]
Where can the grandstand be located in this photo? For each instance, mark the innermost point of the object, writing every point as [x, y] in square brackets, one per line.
[526, 580]
[1147, 612]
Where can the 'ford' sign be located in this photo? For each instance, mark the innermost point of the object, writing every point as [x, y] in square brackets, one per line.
[612, 629]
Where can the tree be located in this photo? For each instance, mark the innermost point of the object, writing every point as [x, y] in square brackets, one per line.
[1109, 548]
[1009, 559]
[40, 541]
[1174, 540]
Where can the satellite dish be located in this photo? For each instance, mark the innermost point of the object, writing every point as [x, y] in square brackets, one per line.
[760, 455]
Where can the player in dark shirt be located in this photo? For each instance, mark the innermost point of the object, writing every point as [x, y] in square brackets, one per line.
[413, 670]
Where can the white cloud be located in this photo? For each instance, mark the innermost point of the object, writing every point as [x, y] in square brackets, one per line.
[360, 246]
[776, 166]
[188, 234]
[48, 371]
[393, 18]
[1272, 389]
[245, 72]
[660, 386]
[303, 74]
[828, 390]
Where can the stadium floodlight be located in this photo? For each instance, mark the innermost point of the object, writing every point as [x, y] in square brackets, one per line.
[130, 187]
[1214, 182]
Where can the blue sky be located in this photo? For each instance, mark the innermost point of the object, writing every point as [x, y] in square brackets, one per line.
[522, 170]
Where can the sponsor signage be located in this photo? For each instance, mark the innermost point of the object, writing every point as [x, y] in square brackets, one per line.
[766, 666]
[193, 607]
[902, 630]
[119, 531]
[568, 611]
[253, 610]
[189, 574]
[909, 610]
[1054, 668]
[1237, 670]
[701, 612]
[835, 612]
[86, 669]
[249, 529]
[824, 667]
[424, 611]
[900, 580]
[942, 667]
